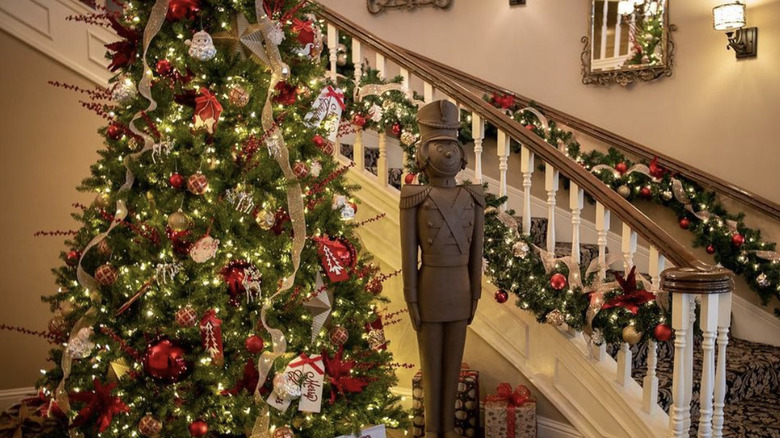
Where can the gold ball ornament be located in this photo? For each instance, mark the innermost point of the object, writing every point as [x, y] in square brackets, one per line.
[283, 432]
[149, 425]
[238, 96]
[624, 191]
[631, 335]
[67, 307]
[555, 317]
[101, 200]
[178, 221]
[407, 138]
[265, 219]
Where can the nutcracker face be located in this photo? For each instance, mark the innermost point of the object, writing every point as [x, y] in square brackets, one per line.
[445, 157]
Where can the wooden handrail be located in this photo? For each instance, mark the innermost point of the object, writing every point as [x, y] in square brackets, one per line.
[764, 205]
[630, 215]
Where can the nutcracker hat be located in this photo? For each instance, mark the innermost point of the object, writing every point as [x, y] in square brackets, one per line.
[438, 120]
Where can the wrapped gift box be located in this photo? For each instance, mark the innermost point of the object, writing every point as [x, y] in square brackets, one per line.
[510, 414]
[466, 404]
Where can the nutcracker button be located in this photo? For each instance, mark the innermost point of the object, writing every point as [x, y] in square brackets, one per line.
[430, 224]
[473, 394]
[471, 223]
[458, 404]
[471, 204]
[461, 386]
[470, 405]
[460, 415]
[430, 241]
[471, 432]
[417, 392]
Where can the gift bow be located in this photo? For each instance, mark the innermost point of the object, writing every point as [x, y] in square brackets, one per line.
[26, 416]
[339, 96]
[299, 26]
[513, 399]
[306, 360]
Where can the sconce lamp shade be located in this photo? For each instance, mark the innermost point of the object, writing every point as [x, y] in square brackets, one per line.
[728, 17]
[625, 7]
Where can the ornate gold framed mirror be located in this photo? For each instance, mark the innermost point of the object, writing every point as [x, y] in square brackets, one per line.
[629, 40]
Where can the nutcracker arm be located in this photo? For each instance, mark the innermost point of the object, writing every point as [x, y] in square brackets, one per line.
[475, 252]
[409, 244]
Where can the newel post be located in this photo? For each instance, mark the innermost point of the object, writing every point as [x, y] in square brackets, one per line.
[713, 286]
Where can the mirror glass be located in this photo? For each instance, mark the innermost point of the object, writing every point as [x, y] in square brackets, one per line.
[629, 39]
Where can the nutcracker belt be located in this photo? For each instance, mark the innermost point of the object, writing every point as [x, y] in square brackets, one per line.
[444, 261]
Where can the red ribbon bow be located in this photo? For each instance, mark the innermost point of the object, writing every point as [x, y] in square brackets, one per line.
[339, 371]
[632, 297]
[310, 361]
[299, 26]
[338, 95]
[514, 399]
[99, 403]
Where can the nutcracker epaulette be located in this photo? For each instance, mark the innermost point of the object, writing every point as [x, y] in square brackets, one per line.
[413, 195]
[478, 193]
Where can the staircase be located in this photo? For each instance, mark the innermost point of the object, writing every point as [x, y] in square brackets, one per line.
[607, 391]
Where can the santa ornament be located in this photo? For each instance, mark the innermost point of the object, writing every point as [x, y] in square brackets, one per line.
[201, 46]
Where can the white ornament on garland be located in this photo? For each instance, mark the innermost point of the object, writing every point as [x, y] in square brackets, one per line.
[81, 345]
[763, 280]
[124, 90]
[165, 272]
[376, 112]
[201, 46]
[240, 200]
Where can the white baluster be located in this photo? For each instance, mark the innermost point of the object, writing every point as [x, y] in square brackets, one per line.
[724, 322]
[427, 92]
[604, 33]
[551, 177]
[602, 227]
[689, 361]
[503, 163]
[682, 374]
[381, 162]
[478, 133]
[576, 203]
[358, 151]
[624, 364]
[333, 46]
[527, 167]
[618, 36]
[629, 247]
[708, 323]
[650, 383]
[405, 82]
[380, 65]
[357, 61]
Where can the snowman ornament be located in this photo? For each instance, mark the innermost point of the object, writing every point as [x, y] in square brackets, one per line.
[201, 46]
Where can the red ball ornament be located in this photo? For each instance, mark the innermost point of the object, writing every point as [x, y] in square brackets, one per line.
[501, 296]
[396, 129]
[338, 335]
[621, 167]
[645, 192]
[558, 281]
[254, 344]
[72, 258]
[106, 275]
[685, 223]
[199, 428]
[186, 317]
[114, 132]
[197, 183]
[164, 361]
[662, 332]
[409, 178]
[374, 287]
[180, 9]
[359, 120]
[530, 127]
[149, 425]
[176, 180]
[737, 240]
[318, 141]
[301, 170]
[710, 249]
[163, 67]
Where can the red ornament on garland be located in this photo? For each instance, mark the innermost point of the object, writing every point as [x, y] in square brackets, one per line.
[176, 180]
[685, 223]
[180, 9]
[149, 425]
[318, 141]
[199, 428]
[501, 296]
[164, 361]
[197, 183]
[359, 120]
[396, 129]
[409, 178]
[254, 344]
[301, 170]
[710, 249]
[72, 258]
[106, 275]
[114, 132]
[621, 167]
[163, 67]
[662, 332]
[374, 287]
[645, 192]
[737, 240]
[558, 281]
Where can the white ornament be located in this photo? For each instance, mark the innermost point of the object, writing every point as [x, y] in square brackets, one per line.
[376, 112]
[251, 283]
[201, 46]
[204, 249]
[240, 200]
[315, 169]
[376, 339]
[165, 272]
[762, 280]
[81, 346]
[164, 147]
[520, 249]
[285, 387]
[276, 34]
[124, 90]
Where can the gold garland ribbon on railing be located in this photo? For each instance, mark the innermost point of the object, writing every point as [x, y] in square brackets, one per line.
[279, 71]
[380, 89]
[87, 281]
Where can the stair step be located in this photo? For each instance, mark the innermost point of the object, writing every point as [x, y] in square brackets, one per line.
[588, 251]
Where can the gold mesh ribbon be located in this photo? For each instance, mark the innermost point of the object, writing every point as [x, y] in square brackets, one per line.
[279, 71]
[87, 281]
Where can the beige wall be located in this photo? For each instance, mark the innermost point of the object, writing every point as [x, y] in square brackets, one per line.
[715, 112]
[46, 147]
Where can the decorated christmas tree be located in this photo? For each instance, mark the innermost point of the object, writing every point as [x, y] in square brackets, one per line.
[217, 287]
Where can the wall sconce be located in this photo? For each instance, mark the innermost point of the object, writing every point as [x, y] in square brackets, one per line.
[731, 19]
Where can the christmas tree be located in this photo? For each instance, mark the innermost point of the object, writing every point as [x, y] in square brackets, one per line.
[217, 287]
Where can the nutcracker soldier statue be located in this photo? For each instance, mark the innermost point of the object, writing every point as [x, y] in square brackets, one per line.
[446, 222]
